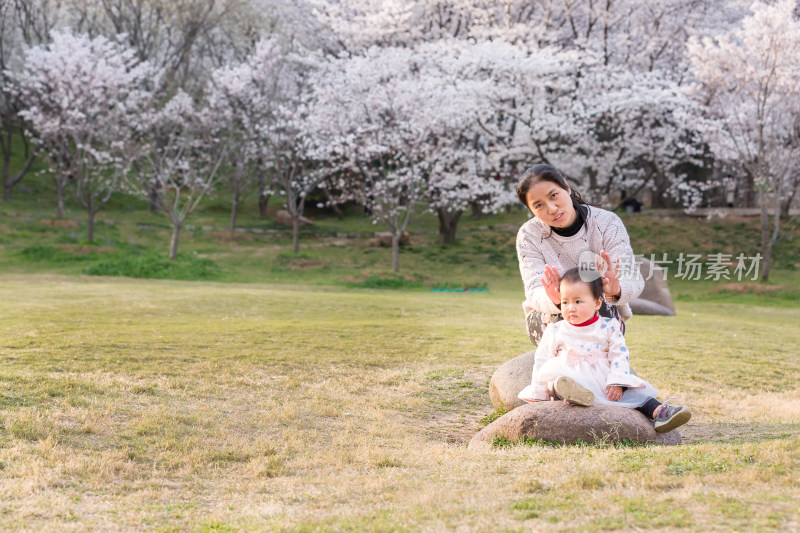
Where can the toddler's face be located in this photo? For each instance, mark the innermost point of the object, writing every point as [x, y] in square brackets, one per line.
[577, 303]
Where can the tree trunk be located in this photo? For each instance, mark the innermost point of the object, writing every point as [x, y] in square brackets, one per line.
[263, 204]
[338, 212]
[766, 242]
[786, 205]
[90, 222]
[263, 196]
[477, 210]
[60, 198]
[7, 185]
[396, 250]
[173, 244]
[448, 222]
[296, 232]
[10, 183]
[234, 210]
[767, 249]
[776, 228]
[154, 198]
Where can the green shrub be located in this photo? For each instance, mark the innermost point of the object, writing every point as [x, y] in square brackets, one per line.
[156, 266]
[38, 253]
[388, 281]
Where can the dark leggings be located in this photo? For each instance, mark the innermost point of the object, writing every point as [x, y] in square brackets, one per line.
[648, 408]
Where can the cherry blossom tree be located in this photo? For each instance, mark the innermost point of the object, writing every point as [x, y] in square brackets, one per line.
[461, 175]
[634, 133]
[294, 173]
[458, 156]
[294, 145]
[261, 106]
[606, 126]
[80, 96]
[181, 155]
[370, 115]
[23, 23]
[573, 83]
[749, 78]
[399, 125]
[243, 99]
[186, 39]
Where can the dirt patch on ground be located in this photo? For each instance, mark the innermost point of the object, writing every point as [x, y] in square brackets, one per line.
[455, 428]
[59, 224]
[226, 236]
[749, 288]
[457, 404]
[301, 263]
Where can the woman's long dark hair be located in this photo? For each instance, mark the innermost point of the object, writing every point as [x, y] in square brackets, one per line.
[543, 172]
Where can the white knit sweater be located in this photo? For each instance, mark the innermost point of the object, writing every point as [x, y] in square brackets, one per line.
[538, 245]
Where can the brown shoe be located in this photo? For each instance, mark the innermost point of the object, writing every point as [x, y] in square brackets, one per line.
[565, 388]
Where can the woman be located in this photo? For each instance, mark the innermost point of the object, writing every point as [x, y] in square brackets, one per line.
[563, 232]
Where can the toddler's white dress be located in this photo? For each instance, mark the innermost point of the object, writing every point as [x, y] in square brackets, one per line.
[594, 355]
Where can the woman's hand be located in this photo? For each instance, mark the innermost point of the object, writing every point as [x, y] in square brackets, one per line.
[551, 281]
[613, 393]
[609, 271]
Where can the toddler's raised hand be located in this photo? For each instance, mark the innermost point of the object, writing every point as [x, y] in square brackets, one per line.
[614, 393]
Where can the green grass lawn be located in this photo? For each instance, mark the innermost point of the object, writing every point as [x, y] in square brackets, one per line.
[207, 406]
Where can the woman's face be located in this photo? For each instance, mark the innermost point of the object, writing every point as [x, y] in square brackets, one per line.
[551, 204]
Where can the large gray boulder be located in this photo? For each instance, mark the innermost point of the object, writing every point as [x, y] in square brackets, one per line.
[640, 306]
[509, 379]
[566, 424]
[655, 290]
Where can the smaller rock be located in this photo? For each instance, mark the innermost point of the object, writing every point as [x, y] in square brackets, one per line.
[655, 286]
[384, 238]
[640, 306]
[285, 218]
[510, 378]
[561, 423]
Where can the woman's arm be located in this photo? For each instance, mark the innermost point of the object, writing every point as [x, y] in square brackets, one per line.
[628, 283]
[532, 269]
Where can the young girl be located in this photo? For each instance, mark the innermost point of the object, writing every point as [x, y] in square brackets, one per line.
[583, 359]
